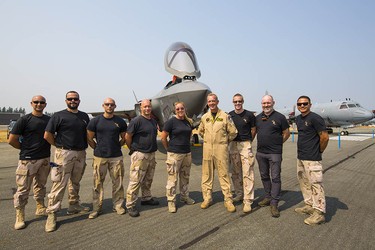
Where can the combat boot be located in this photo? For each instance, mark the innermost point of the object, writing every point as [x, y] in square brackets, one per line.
[238, 198]
[20, 219]
[119, 210]
[307, 209]
[275, 211]
[316, 218]
[230, 207]
[206, 204]
[171, 207]
[187, 200]
[51, 222]
[265, 202]
[246, 208]
[40, 209]
[77, 208]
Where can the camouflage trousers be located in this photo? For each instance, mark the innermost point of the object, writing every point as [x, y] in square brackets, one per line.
[115, 166]
[27, 173]
[220, 162]
[310, 177]
[178, 167]
[70, 167]
[242, 162]
[141, 174]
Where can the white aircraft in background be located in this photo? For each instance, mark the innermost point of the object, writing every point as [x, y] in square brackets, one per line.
[343, 114]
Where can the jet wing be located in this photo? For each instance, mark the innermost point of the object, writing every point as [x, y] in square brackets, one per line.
[126, 114]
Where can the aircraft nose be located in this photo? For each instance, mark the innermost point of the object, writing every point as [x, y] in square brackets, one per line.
[363, 115]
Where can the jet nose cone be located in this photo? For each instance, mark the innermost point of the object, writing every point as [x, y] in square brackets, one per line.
[363, 115]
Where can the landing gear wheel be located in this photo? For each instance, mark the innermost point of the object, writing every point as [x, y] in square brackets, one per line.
[346, 133]
[342, 133]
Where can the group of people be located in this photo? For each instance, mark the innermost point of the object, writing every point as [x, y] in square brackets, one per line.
[227, 141]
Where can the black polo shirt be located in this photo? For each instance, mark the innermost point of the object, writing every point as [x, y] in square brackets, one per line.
[179, 135]
[269, 132]
[31, 129]
[308, 144]
[144, 133]
[70, 129]
[244, 122]
[107, 133]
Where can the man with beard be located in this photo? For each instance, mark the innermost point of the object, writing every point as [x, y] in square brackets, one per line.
[66, 130]
[106, 135]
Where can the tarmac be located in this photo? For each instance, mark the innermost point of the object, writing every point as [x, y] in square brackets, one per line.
[349, 174]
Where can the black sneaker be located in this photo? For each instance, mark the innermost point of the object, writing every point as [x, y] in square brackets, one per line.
[133, 212]
[150, 202]
[275, 211]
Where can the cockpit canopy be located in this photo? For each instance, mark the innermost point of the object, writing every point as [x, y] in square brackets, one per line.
[345, 105]
[180, 61]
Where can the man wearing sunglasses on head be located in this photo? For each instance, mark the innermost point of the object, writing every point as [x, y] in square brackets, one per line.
[241, 153]
[272, 131]
[66, 130]
[33, 165]
[106, 135]
[312, 141]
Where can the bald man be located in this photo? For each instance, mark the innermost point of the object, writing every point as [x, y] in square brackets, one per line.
[106, 135]
[141, 141]
[33, 165]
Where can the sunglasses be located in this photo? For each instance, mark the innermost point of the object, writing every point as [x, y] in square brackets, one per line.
[39, 102]
[237, 102]
[302, 103]
[109, 104]
[180, 109]
[72, 99]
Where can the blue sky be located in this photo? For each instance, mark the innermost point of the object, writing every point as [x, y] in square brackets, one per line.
[324, 49]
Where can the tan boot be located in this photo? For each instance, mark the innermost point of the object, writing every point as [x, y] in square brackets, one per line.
[246, 208]
[51, 222]
[171, 207]
[187, 200]
[316, 218]
[206, 204]
[230, 207]
[40, 209]
[20, 219]
[77, 208]
[307, 209]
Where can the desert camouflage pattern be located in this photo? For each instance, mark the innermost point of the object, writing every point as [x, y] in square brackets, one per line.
[142, 169]
[115, 167]
[70, 167]
[242, 162]
[178, 167]
[310, 177]
[31, 172]
[216, 133]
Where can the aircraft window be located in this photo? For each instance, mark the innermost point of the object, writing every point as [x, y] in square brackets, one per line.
[351, 105]
[359, 106]
[343, 106]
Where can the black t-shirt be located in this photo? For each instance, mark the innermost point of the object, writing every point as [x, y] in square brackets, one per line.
[308, 144]
[179, 135]
[70, 129]
[144, 133]
[269, 132]
[244, 122]
[33, 145]
[107, 134]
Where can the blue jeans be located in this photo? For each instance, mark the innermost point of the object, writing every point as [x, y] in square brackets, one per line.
[272, 184]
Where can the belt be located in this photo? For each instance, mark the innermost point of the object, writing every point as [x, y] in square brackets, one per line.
[73, 149]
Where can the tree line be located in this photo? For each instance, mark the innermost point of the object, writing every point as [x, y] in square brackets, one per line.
[13, 110]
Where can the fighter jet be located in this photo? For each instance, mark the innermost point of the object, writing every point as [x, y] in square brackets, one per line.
[343, 114]
[179, 61]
